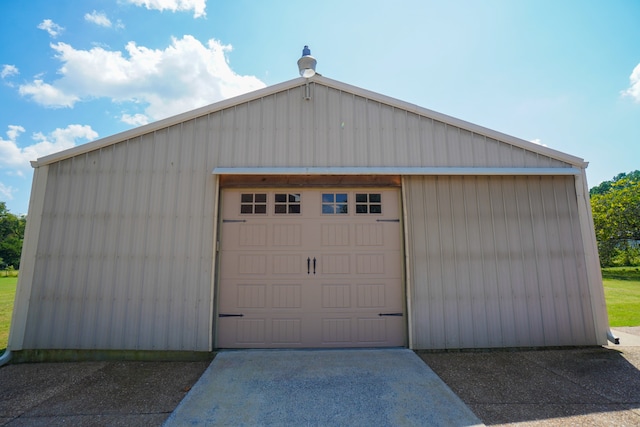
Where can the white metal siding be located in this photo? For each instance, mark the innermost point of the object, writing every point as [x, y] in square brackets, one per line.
[124, 254]
[497, 262]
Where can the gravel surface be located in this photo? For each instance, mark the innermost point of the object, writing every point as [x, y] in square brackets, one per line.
[598, 386]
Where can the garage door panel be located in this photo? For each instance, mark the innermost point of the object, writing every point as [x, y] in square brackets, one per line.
[310, 279]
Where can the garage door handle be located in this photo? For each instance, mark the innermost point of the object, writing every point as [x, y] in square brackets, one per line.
[230, 315]
[390, 314]
[387, 220]
[314, 265]
[308, 265]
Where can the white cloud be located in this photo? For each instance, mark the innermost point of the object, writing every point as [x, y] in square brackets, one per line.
[17, 158]
[48, 95]
[98, 18]
[135, 120]
[185, 75]
[51, 27]
[198, 6]
[634, 88]
[6, 191]
[9, 70]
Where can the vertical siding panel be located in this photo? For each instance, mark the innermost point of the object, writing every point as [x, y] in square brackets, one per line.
[462, 267]
[419, 259]
[349, 155]
[516, 262]
[452, 145]
[440, 144]
[556, 258]
[123, 177]
[101, 273]
[267, 148]
[240, 135]
[488, 259]
[295, 138]
[323, 148]
[503, 255]
[284, 144]
[543, 268]
[400, 138]
[154, 244]
[387, 149]
[427, 142]
[448, 263]
[227, 136]
[254, 139]
[529, 261]
[479, 289]
[70, 301]
[435, 279]
[413, 128]
[361, 131]
[90, 251]
[466, 145]
[492, 150]
[580, 306]
[307, 124]
[374, 133]
[480, 151]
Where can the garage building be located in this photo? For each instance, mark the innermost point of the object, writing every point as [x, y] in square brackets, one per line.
[308, 214]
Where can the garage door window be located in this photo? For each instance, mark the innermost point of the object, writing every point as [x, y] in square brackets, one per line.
[335, 203]
[368, 203]
[287, 203]
[253, 203]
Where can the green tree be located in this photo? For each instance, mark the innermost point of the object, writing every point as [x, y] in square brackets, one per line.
[11, 237]
[616, 215]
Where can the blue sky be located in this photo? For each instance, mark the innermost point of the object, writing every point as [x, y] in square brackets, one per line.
[565, 74]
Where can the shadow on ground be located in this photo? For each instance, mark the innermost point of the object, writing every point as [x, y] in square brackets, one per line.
[586, 386]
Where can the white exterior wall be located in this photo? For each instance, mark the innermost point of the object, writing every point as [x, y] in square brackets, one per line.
[497, 262]
[125, 251]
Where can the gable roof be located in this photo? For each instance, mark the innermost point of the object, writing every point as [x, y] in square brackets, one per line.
[298, 82]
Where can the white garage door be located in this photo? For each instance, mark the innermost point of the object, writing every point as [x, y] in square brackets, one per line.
[310, 268]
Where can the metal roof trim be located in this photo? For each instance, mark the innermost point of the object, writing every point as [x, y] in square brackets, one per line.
[397, 171]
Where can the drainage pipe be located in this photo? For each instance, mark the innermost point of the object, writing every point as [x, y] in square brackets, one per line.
[6, 357]
[614, 339]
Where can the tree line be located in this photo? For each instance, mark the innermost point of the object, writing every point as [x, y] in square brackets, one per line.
[11, 237]
[615, 206]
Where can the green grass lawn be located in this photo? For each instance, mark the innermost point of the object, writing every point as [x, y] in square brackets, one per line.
[7, 293]
[622, 292]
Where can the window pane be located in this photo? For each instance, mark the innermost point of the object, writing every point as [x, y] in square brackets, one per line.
[327, 209]
[261, 209]
[361, 209]
[281, 198]
[295, 209]
[341, 209]
[246, 209]
[374, 198]
[261, 198]
[361, 198]
[341, 198]
[294, 198]
[375, 209]
[246, 198]
[327, 198]
[280, 209]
